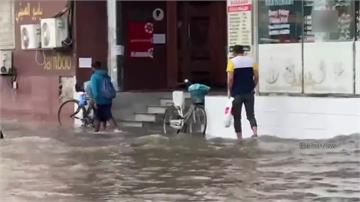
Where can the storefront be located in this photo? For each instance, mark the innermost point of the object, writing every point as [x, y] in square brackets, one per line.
[308, 47]
[145, 45]
[308, 53]
[167, 42]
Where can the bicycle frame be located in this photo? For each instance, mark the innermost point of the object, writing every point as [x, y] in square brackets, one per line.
[189, 112]
[87, 108]
[184, 117]
[184, 114]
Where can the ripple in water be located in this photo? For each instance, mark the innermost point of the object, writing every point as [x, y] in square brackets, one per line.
[78, 167]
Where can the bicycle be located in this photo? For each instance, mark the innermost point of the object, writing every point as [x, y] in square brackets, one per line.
[193, 120]
[84, 111]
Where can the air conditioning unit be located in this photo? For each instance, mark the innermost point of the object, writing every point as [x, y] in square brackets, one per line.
[53, 32]
[5, 62]
[30, 36]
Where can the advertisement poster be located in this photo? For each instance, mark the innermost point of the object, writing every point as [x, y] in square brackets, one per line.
[280, 68]
[328, 68]
[280, 21]
[328, 20]
[140, 40]
[357, 63]
[239, 22]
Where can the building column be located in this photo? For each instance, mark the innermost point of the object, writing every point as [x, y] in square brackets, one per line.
[255, 42]
[172, 50]
[112, 42]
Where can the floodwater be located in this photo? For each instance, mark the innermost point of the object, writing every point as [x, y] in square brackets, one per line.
[50, 165]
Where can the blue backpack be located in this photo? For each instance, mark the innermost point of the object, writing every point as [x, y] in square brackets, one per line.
[107, 88]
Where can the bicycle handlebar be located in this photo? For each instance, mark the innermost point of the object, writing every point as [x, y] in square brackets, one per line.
[184, 84]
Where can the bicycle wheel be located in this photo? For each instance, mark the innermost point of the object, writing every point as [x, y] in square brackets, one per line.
[198, 121]
[172, 122]
[67, 113]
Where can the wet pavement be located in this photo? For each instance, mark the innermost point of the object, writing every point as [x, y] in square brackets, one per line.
[43, 164]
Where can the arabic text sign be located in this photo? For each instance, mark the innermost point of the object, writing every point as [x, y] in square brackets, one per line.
[58, 62]
[29, 9]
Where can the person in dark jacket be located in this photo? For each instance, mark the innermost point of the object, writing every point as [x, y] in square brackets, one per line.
[102, 104]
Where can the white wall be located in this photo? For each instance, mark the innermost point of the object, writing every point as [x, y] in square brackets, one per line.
[7, 24]
[280, 68]
[357, 63]
[290, 117]
[327, 69]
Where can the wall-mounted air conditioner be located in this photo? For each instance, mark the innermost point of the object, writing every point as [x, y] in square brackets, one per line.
[5, 62]
[30, 36]
[53, 32]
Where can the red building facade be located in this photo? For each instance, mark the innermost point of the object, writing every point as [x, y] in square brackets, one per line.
[45, 75]
[179, 40]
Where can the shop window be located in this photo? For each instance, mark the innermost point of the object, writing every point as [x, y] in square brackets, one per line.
[280, 21]
[328, 20]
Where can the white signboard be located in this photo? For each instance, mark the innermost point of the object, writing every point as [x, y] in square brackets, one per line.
[118, 50]
[328, 68]
[357, 63]
[85, 62]
[280, 68]
[239, 27]
[159, 39]
[7, 24]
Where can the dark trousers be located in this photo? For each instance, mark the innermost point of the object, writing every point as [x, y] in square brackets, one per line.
[249, 101]
[103, 112]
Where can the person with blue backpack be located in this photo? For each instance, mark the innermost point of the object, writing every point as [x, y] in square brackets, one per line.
[102, 93]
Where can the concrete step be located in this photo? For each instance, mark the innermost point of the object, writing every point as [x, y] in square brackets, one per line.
[146, 127]
[131, 124]
[156, 109]
[165, 102]
[145, 117]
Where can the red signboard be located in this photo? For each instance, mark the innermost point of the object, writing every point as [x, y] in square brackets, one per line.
[239, 5]
[239, 8]
[140, 36]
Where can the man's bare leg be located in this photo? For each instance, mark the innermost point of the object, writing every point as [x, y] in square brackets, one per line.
[97, 126]
[104, 125]
[254, 129]
[239, 136]
[113, 122]
[115, 125]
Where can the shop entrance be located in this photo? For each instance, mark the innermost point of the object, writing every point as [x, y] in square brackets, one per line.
[202, 42]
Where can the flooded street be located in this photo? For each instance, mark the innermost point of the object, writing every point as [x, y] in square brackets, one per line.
[42, 165]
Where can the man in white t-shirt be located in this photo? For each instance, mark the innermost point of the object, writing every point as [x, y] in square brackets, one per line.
[242, 80]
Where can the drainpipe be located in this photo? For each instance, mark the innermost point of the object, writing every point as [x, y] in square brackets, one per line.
[112, 43]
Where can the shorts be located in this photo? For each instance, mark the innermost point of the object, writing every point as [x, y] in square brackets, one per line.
[103, 112]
